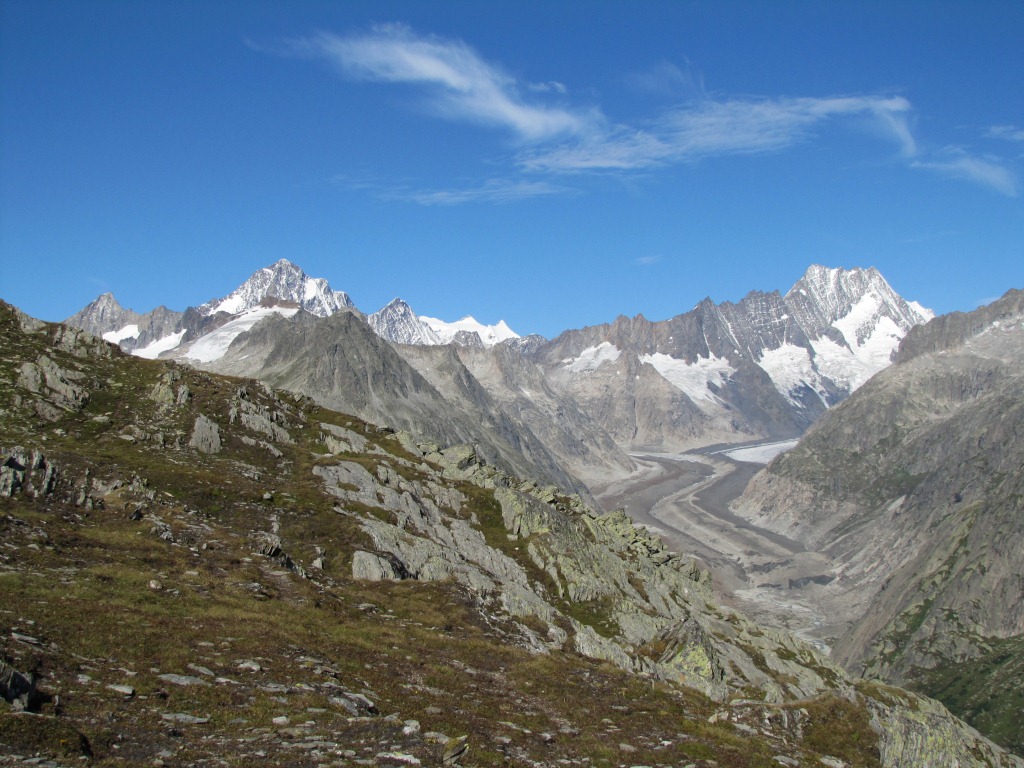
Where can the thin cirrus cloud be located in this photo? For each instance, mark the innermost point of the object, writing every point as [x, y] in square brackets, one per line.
[712, 128]
[1007, 132]
[458, 84]
[496, 190]
[646, 261]
[957, 164]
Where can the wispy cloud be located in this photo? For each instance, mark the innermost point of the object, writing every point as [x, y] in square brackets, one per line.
[1008, 132]
[460, 84]
[957, 164]
[713, 128]
[490, 191]
[494, 191]
[646, 261]
[668, 79]
[558, 138]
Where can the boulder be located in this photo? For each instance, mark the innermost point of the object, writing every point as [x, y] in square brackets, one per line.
[205, 435]
[370, 567]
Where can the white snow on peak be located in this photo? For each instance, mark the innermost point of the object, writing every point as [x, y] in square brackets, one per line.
[287, 282]
[789, 368]
[870, 337]
[692, 378]
[489, 334]
[154, 349]
[397, 322]
[128, 332]
[925, 313]
[851, 367]
[592, 358]
[214, 345]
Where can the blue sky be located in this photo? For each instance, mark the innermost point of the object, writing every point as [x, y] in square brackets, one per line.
[552, 164]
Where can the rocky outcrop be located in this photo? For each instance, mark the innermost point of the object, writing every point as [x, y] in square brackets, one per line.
[19, 690]
[476, 594]
[595, 582]
[205, 435]
[29, 472]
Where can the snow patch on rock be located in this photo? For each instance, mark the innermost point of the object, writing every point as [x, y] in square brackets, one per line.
[592, 358]
[214, 345]
[692, 378]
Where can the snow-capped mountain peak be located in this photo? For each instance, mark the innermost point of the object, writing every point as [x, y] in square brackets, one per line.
[489, 334]
[398, 323]
[286, 281]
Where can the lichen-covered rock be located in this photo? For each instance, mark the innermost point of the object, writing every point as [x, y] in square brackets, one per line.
[341, 440]
[205, 435]
[370, 567]
[57, 387]
[920, 732]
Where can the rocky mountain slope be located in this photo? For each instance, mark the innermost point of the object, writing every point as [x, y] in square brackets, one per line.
[515, 389]
[398, 323]
[249, 578]
[765, 367]
[914, 489]
[342, 364]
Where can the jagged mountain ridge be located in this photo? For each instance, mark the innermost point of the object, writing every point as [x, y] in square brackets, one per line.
[387, 577]
[284, 285]
[766, 366]
[398, 322]
[913, 488]
[340, 362]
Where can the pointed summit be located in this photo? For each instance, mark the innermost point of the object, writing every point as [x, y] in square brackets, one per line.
[853, 302]
[398, 323]
[285, 281]
[102, 315]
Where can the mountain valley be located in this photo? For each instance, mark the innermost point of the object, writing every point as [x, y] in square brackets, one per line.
[490, 471]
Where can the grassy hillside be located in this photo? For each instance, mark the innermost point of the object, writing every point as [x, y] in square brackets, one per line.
[173, 593]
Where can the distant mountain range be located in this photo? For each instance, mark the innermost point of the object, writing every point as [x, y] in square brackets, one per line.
[767, 366]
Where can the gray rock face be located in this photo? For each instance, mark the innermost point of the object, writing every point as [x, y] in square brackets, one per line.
[205, 435]
[17, 689]
[340, 362]
[398, 323]
[512, 396]
[60, 387]
[597, 583]
[913, 489]
[370, 567]
[767, 366]
[28, 472]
